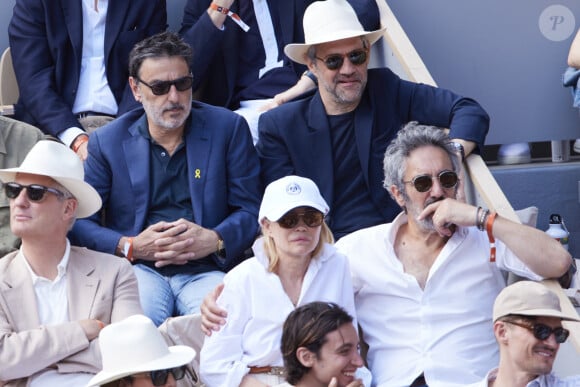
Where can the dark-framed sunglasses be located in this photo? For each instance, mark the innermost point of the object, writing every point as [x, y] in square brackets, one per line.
[163, 87]
[159, 377]
[34, 192]
[312, 218]
[423, 183]
[542, 331]
[335, 61]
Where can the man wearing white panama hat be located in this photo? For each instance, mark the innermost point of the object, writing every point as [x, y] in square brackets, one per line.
[338, 136]
[55, 298]
[135, 355]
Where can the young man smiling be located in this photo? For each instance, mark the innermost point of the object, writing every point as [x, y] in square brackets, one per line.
[320, 347]
[528, 329]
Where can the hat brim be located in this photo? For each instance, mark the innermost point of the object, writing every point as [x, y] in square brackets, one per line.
[276, 214]
[544, 313]
[178, 355]
[298, 51]
[89, 200]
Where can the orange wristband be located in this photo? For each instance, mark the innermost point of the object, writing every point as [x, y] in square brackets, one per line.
[489, 228]
[232, 15]
[130, 251]
[80, 140]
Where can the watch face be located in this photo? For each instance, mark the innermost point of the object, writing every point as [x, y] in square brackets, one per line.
[126, 247]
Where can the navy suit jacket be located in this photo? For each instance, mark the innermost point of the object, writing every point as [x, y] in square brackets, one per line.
[295, 137]
[216, 52]
[223, 175]
[46, 44]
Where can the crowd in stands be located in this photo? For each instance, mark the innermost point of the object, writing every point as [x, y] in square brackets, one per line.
[153, 178]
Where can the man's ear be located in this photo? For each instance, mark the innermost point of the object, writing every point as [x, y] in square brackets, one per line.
[305, 357]
[501, 332]
[398, 195]
[70, 208]
[135, 89]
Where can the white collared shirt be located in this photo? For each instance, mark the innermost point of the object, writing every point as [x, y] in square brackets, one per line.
[257, 307]
[93, 92]
[549, 380]
[444, 330]
[52, 304]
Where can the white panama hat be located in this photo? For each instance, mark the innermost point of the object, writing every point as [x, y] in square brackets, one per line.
[56, 160]
[134, 345]
[328, 21]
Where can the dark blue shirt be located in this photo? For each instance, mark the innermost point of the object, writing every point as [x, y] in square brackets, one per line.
[352, 199]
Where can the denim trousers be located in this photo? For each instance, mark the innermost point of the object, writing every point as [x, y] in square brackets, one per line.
[180, 294]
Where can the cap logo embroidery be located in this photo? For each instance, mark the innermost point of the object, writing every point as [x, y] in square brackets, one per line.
[293, 189]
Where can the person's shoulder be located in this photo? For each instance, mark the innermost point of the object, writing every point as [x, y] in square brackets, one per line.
[199, 108]
[7, 260]
[364, 234]
[124, 121]
[99, 259]
[290, 108]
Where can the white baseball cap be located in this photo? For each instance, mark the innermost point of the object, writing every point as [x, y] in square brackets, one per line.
[287, 193]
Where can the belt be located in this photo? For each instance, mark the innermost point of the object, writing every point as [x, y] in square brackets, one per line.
[267, 370]
[89, 114]
[419, 382]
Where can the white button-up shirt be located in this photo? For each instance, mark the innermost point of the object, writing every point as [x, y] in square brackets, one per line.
[257, 307]
[444, 330]
[52, 304]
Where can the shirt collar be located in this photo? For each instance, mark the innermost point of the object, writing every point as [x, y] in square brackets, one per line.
[61, 267]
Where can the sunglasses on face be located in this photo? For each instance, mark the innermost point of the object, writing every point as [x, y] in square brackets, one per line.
[542, 331]
[311, 218]
[159, 377]
[34, 192]
[163, 87]
[423, 183]
[335, 61]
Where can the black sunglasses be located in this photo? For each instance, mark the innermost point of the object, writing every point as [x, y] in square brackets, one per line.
[159, 377]
[312, 218]
[34, 192]
[542, 331]
[335, 61]
[423, 183]
[163, 87]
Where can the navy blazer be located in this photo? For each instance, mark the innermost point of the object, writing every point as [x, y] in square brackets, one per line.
[295, 137]
[223, 175]
[216, 52]
[46, 44]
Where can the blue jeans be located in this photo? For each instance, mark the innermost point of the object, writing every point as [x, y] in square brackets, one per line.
[162, 297]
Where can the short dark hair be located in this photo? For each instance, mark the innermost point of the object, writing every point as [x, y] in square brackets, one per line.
[307, 326]
[163, 44]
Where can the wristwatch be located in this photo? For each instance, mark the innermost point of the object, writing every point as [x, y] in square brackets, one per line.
[221, 248]
[459, 149]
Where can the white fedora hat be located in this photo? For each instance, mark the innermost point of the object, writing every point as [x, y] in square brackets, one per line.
[56, 160]
[134, 345]
[328, 21]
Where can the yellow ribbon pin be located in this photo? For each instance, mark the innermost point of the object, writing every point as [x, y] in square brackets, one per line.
[198, 174]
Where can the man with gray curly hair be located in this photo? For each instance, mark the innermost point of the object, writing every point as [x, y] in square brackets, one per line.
[425, 284]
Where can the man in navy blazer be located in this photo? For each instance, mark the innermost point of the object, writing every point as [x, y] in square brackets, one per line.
[247, 71]
[180, 184]
[338, 136]
[48, 41]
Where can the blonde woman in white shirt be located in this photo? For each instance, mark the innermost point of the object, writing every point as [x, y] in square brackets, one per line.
[294, 264]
